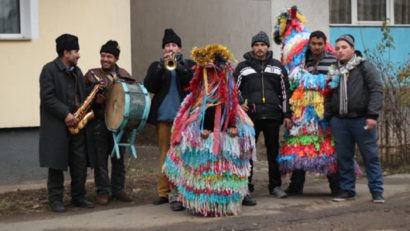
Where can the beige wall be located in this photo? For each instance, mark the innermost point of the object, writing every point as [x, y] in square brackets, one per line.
[93, 21]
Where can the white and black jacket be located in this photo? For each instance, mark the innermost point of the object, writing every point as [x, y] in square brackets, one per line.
[265, 87]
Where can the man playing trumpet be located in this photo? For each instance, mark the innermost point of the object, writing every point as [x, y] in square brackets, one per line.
[167, 80]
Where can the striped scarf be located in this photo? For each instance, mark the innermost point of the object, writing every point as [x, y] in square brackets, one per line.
[343, 70]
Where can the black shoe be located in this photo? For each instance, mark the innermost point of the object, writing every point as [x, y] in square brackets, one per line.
[83, 203]
[342, 196]
[57, 206]
[176, 206]
[292, 191]
[248, 201]
[334, 191]
[378, 197]
[160, 201]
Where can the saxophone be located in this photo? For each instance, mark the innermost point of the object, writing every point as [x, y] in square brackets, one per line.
[82, 114]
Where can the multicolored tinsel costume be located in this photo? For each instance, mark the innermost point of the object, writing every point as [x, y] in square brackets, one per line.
[308, 145]
[211, 173]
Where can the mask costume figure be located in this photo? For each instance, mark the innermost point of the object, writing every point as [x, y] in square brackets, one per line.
[212, 139]
[308, 145]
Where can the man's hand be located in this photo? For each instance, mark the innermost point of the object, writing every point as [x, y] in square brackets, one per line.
[205, 133]
[70, 120]
[233, 132]
[370, 124]
[287, 123]
[245, 107]
[100, 98]
[167, 55]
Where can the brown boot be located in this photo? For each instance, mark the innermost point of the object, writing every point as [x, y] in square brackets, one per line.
[103, 199]
[123, 197]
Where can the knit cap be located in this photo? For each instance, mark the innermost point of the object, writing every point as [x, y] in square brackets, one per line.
[260, 37]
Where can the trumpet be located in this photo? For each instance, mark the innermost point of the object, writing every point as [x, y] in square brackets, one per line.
[170, 63]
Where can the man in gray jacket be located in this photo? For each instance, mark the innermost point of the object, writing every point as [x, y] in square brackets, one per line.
[62, 90]
[353, 108]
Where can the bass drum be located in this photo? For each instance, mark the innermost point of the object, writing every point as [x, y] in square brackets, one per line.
[127, 107]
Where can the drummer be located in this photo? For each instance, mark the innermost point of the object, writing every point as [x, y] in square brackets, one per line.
[102, 137]
[168, 86]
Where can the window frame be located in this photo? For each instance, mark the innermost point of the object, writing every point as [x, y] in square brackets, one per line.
[356, 22]
[28, 22]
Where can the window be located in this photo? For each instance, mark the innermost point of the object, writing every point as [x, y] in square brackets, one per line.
[10, 17]
[18, 19]
[402, 11]
[340, 12]
[369, 12]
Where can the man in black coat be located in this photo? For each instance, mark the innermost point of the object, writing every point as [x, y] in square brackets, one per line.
[264, 94]
[168, 87]
[62, 90]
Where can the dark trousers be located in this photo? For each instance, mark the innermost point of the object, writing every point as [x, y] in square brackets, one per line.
[103, 144]
[297, 180]
[270, 129]
[78, 171]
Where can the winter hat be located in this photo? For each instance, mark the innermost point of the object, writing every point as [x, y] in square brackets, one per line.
[170, 37]
[260, 37]
[111, 47]
[66, 42]
[347, 38]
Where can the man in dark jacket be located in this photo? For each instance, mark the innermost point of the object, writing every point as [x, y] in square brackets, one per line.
[168, 86]
[102, 137]
[353, 109]
[62, 90]
[264, 94]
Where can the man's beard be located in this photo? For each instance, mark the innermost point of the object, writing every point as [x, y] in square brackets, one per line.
[73, 62]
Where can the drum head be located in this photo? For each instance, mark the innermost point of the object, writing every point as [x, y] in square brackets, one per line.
[115, 107]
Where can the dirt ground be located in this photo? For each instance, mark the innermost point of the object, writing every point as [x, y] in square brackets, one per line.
[313, 212]
[141, 178]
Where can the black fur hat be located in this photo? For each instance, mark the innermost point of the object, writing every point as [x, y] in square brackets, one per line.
[170, 37]
[66, 42]
[111, 47]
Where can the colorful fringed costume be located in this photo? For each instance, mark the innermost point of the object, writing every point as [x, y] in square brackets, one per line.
[210, 170]
[308, 145]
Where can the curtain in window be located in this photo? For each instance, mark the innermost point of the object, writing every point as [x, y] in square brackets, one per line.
[402, 11]
[340, 12]
[9, 17]
[371, 10]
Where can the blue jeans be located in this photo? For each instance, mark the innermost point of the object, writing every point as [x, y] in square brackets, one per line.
[347, 133]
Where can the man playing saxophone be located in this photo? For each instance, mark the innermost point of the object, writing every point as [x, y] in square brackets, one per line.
[62, 90]
[102, 141]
